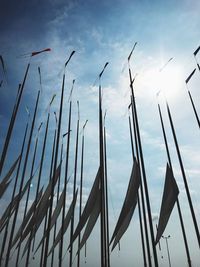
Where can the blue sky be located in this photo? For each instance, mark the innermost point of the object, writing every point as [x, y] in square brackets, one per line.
[102, 31]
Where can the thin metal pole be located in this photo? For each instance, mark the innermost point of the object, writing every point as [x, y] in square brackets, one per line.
[139, 205]
[184, 176]
[166, 237]
[144, 175]
[74, 192]
[13, 195]
[65, 186]
[178, 204]
[22, 181]
[12, 122]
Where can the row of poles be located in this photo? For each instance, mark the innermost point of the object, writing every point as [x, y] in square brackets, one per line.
[144, 207]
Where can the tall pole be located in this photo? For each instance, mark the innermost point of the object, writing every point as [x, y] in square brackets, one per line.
[184, 176]
[13, 195]
[81, 190]
[27, 197]
[22, 182]
[65, 186]
[50, 175]
[55, 165]
[166, 240]
[38, 185]
[54, 172]
[57, 199]
[143, 173]
[139, 205]
[178, 204]
[12, 121]
[74, 189]
[106, 195]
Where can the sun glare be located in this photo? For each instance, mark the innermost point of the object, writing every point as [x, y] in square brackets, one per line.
[169, 81]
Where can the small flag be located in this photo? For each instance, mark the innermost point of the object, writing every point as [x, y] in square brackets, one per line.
[69, 58]
[190, 76]
[129, 57]
[196, 51]
[170, 196]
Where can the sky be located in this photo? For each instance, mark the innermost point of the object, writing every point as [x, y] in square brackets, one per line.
[100, 32]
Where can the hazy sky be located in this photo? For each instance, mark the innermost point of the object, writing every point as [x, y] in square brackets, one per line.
[101, 31]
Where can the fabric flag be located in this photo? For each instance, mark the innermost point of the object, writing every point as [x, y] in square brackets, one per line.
[2, 64]
[103, 69]
[11, 207]
[5, 180]
[88, 207]
[54, 217]
[27, 218]
[124, 226]
[69, 58]
[66, 223]
[129, 202]
[170, 196]
[38, 52]
[129, 57]
[41, 210]
[190, 76]
[196, 51]
[92, 220]
[3, 188]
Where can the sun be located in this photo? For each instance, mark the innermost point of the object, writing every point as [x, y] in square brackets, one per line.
[168, 80]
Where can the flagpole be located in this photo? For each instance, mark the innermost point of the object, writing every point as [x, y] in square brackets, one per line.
[57, 199]
[13, 194]
[138, 199]
[50, 175]
[74, 189]
[106, 194]
[144, 173]
[194, 108]
[27, 197]
[104, 245]
[184, 176]
[81, 189]
[38, 186]
[54, 171]
[141, 187]
[22, 180]
[178, 204]
[65, 186]
[55, 164]
[12, 122]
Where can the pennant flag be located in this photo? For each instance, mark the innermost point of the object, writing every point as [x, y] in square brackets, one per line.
[3, 188]
[40, 126]
[91, 221]
[170, 196]
[53, 97]
[70, 95]
[1, 82]
[27, 218]
[129, 57]
[124, 226]
[190, 76]
[7, 177]
[165, 64]
[103, 69]
[66, 223]
[3, 65]
[41, 210]
[69, 58]
[40, 78]
[196, 51]
[39, 52]
[53, 217]
[129, 204]
[88, 207]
